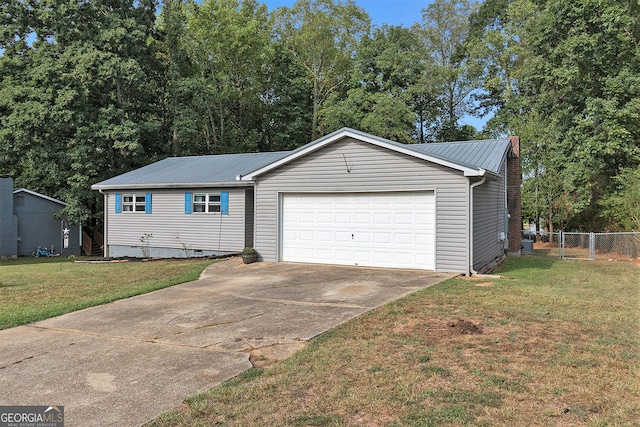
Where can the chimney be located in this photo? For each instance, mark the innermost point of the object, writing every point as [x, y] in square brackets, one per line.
[514, 200]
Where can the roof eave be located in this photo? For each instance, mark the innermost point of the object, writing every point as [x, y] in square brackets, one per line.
[171, 185]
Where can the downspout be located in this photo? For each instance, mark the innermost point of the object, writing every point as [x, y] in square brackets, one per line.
[105, 245]
[472, 186]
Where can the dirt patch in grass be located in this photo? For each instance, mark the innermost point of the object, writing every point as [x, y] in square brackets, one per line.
[263, 357]
[464, 327]
[483, 284]
[439, 327]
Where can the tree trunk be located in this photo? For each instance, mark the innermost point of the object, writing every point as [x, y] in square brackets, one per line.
[316, 108]
[174, 143]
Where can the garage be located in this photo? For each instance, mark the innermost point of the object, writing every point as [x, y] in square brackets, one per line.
[386, 229]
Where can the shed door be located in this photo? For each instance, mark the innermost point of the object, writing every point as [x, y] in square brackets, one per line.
[369, 229]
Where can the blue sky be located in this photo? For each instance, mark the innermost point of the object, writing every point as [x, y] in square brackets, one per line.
[391, 12]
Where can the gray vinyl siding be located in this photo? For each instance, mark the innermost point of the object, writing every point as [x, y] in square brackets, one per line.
[372, 169]
[488, 220]
[172, 228]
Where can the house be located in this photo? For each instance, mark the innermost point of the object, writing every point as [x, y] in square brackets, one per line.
[28, 220]
[348, 198]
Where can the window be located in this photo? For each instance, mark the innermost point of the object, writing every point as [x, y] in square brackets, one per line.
[206, 203]
[133, 203]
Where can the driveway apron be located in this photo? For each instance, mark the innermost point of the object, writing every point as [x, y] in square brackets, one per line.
[125, 362]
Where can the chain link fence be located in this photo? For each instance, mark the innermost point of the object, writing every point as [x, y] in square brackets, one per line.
[592, 246]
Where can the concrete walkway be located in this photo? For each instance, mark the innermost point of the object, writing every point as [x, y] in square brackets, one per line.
[125, 362]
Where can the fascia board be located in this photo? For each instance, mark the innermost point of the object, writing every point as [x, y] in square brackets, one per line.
[170, 186]
[311, 147]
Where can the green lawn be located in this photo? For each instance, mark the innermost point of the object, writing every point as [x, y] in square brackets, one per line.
[552, 343]
[36, 289]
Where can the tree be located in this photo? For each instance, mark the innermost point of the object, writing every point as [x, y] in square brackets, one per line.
[571, 70]
[380, 100]
[445, 26]
[287, 118]
[581, 77]
[322, 36]
[623, 205]
[494, 46]
[78, 105]
[219, 104]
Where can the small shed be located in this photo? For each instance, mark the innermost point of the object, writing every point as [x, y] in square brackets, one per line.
[28, 220]
[38, 225]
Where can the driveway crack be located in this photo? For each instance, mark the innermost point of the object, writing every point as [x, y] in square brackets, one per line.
[303, 303]
[16, 362]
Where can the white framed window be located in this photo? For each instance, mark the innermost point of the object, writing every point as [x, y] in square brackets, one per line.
[133, 203]
[206, 203]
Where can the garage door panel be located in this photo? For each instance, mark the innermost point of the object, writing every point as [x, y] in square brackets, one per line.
[343, 236]
[382, 238]
[324, 236]
[382, 218]
[403, 218]
[373, 229]
[361, 237]
[324, 217]
[342, 256]
[424, 218]
[424, 239]
[343, 217]
[363, 218]
[403, 238]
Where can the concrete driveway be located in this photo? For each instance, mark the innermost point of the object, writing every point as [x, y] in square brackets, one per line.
[126, 362]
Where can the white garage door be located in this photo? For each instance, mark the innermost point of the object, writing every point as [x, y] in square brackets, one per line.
[370, 229]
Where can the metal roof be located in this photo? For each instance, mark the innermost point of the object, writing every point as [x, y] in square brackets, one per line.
[473, 158]
[486, 154]
[219, 170]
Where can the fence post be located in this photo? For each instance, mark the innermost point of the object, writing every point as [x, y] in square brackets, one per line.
[561, 245]
[592, 246]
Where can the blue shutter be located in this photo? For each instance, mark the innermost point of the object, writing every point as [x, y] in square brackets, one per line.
[224, 203]
[118, 203]
[188, 203]
[147, 203]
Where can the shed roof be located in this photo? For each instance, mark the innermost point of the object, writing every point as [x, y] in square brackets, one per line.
[42, 196]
